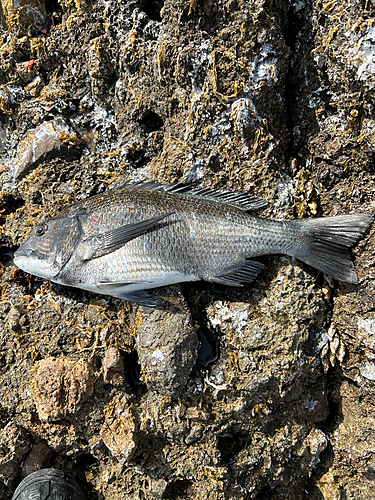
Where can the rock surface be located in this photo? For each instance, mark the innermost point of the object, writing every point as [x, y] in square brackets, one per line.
[275, 98]
[61, 386]
[113, 367]
[167, 346]
[47, 140]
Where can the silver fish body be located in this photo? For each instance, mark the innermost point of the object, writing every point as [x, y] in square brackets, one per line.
[138, 237]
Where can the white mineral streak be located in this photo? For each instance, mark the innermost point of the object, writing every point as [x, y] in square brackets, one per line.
[265, 65]
[367, 370]
[158, 356]
[219, 315]
[368, 325]
[365, 56]
[318, 442]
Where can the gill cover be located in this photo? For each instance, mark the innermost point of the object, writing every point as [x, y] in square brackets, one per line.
[49, 247]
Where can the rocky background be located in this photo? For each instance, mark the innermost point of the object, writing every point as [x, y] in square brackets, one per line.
[266, 392]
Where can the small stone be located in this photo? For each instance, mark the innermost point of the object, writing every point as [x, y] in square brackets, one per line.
[113, 367]
[329, 487]
[39, 458]
[167, 347]
[26, 71]
[317, 442]
[61, 386]
[49, 139]
[156, 488]
[119, 431]
[367, 370]
[13, 319]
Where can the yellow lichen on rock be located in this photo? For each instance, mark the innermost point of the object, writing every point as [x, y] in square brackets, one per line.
[22, 14]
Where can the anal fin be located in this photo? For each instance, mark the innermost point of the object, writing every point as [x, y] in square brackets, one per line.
[245, 272]
[137, 296]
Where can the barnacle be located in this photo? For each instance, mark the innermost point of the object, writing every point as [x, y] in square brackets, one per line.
[331, 348]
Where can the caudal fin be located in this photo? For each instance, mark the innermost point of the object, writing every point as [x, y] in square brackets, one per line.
[328, 241]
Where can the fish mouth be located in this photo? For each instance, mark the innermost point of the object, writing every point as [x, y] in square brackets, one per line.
[23, 252]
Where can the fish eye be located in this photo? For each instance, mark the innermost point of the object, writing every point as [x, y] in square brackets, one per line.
[40, 230]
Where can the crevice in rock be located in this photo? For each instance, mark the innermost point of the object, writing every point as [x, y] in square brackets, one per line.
[133, 371]
[153, 8]
[177, 489]
[300, 118]
[52, 6]
[151, 122]
[229, 445]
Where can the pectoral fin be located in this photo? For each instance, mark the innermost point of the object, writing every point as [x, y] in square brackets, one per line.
[245, 272]
[120, 284]
[108, 242]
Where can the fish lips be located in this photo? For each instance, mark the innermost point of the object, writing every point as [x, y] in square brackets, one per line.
[23, 259]
[22, 252]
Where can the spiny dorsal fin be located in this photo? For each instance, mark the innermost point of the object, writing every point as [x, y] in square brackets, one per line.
[243, 201]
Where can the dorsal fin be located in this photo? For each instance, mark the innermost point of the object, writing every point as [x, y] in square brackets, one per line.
[243, 201]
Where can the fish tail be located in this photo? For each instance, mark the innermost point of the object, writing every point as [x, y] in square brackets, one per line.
[326, 242]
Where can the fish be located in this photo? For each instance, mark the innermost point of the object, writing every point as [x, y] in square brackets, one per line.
[140, 236]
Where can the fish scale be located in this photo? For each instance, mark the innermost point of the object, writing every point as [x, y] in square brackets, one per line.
[136, 237]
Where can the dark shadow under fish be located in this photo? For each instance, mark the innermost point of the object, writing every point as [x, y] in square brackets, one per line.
[141, 236]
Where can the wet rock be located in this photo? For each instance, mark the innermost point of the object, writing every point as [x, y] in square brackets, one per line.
[351, 442]
[61, 386]
[39, 457]
[119, 431]
[113, 367]
[278, 321]
[46, 141]
[167, 346]
[275, 98]
[14, 444]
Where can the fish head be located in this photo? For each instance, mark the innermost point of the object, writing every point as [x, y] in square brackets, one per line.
[49, 247]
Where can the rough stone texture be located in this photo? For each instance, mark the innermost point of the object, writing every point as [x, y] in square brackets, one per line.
[113, 367]
[14, 444]
[21, 15]
[61, 386]
[119, 431]
[167, 346]
[272, 97]
[47, 140]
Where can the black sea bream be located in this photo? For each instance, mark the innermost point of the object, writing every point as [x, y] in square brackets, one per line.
[142, 236]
